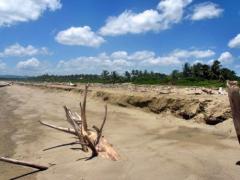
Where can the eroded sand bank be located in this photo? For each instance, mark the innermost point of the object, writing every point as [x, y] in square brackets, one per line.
[152, 146]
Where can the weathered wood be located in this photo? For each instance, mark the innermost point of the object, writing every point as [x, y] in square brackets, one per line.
[87, 137]
[234, 99]
[66, 130]
[6, 84]
[106, 150]
[83, 113]
[91, 146]
[101, 128]
[79, 132]
[24, 163]
[96, 129]
[208, 91]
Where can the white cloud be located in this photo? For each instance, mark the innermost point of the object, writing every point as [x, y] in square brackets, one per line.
[29, 64]
[167, 13]
[207, 10]
[18, 50]
[235, 42]
[81, 36]
[210, 62]
[142, 55]
[149, 58]
[198, 61]
[172, 10]
[226, 58]
[193, 53]
[2, 65]
[129, 22]
[119, 55]
[163, 61]
[93, 64]
[119, 61]
[15, 11]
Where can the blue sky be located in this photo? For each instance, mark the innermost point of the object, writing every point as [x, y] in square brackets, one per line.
[73, 37]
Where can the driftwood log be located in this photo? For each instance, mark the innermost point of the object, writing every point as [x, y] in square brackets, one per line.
[23, 163]
[88, 138]
[5, 84]
[66, 130]
[207, 91]
[234, 99]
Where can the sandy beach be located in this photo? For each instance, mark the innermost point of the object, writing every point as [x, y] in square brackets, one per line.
[151, 146]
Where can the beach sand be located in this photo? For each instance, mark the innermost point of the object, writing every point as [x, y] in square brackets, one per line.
[151, 146]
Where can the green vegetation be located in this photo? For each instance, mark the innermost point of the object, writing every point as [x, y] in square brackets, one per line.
[191, 75]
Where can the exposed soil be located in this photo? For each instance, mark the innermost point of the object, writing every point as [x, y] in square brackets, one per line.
[181, 102]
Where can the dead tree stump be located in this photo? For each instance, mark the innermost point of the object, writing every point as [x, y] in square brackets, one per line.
[88, 138]
[234, 99]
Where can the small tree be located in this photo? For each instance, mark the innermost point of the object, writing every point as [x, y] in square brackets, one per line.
[127, 76]
[114, 77]
[187, 70]
[105, 76]
[216, 69]
[227, 74]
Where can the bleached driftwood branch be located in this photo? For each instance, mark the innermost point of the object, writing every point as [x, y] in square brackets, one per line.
[5, 84]
[23, 163]
[88, 138]
[66, 130]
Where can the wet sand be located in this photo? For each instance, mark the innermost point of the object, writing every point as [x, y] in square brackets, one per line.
[152, 146]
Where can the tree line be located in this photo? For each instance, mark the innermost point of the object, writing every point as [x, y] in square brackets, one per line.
[196, 74]
[209, 72]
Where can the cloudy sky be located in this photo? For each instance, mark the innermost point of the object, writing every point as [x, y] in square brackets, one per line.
[73, 37]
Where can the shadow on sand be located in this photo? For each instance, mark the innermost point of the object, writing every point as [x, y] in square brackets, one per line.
[26, 174]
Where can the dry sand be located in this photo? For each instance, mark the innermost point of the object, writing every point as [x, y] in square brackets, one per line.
[152, 146]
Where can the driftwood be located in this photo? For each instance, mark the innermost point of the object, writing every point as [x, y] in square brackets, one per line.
[234, 99]
[207, 91]
[71, 84]
[66, 130]
[88, 138]
[5, 84]
[24, 163]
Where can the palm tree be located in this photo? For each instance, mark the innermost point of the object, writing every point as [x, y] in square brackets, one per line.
[187, 70]
[227, 74]
[127, 76]
[215, 69]
[105, 75]
[206, 71]
[197, 70]
[114, 77]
